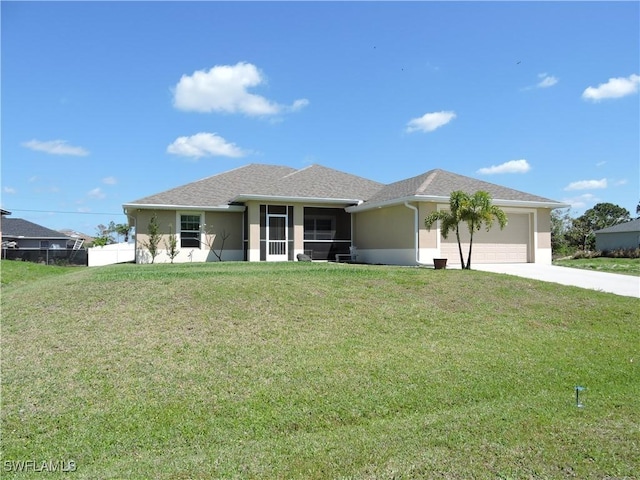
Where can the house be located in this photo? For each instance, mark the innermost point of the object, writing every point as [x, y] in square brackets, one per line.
[622, 236]
[78, 239]
[274, 213]
[22, 234]
[3, 212]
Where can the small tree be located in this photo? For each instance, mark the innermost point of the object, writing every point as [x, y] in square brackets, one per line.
[153, 237]
[210, 238]
[480, 211]
[450, 221]
[560, 225]
[476, 210]
[172, 245]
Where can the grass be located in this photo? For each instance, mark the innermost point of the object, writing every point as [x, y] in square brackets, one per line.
[14, 272]
[626, 266]
[318, 371]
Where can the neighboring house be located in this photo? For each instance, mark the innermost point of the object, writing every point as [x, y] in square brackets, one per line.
[78, 239]
[3, 212]
[622, 236]
[274, 213]
[19, 233]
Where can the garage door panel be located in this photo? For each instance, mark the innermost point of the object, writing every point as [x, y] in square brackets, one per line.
[510, 245]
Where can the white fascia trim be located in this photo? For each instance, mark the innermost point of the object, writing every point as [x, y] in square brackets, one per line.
[442, 199]
[530, 204]
[152, 206]
[271, 198]
[394, 201]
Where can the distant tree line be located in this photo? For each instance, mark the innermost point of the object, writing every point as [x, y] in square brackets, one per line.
[570, 235]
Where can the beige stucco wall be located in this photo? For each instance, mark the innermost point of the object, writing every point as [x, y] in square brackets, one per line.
[143, 217]
[544, 228]
[427, 238]
[229, 223]
[384, 228]
[217, 223]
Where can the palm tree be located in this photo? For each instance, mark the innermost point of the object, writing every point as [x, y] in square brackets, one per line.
[450, 220]
[479, 211]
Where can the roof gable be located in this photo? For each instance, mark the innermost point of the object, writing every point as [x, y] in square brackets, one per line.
[440, 183]
[17, 227]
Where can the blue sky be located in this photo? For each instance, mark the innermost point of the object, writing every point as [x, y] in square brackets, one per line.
[105, 103]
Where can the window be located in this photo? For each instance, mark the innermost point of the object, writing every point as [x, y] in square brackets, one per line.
[44, 244]
[190, 231]
[319, 227]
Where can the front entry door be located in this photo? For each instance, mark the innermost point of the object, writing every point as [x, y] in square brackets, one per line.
[277, 238]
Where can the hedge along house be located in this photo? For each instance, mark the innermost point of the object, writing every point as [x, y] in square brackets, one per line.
[273, 213]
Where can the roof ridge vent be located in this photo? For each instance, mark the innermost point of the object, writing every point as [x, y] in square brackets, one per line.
[430, 178]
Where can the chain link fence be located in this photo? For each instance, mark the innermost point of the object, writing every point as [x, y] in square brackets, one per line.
[50, 256]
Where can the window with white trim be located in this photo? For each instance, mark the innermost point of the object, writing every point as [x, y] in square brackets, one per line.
[190, 231]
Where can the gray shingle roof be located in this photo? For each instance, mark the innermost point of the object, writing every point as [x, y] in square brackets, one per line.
[632, 226]
[440, 183]
[17, 227]
[314, 181]
[318, 182]
[220, 189]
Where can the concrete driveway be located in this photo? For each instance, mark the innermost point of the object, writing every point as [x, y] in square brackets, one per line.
[626, 285]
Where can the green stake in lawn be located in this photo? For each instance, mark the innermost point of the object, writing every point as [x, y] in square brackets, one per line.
[578, 390]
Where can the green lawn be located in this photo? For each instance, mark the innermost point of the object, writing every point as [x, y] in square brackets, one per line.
[13, 272]
[316, 371]
[627, 266]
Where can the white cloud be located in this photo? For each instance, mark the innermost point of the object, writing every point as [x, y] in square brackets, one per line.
[618, 183]
[224, 88]
[96, 193]
[9, 190]
[430, 121]
[84, 209]
[299, 104]
[205, 145]
[587, 185]
[56, 147]
[581, 201]
[109, 180]
[512, 166]
[600, 164]
[547, 80]
[614, 88]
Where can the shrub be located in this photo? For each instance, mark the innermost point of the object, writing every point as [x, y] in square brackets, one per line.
[587, 254]
[622, 253]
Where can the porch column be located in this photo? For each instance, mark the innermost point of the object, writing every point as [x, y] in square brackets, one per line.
[298, 230]
[253, 212]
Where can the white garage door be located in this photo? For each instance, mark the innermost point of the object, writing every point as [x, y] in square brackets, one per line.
[511, 245]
